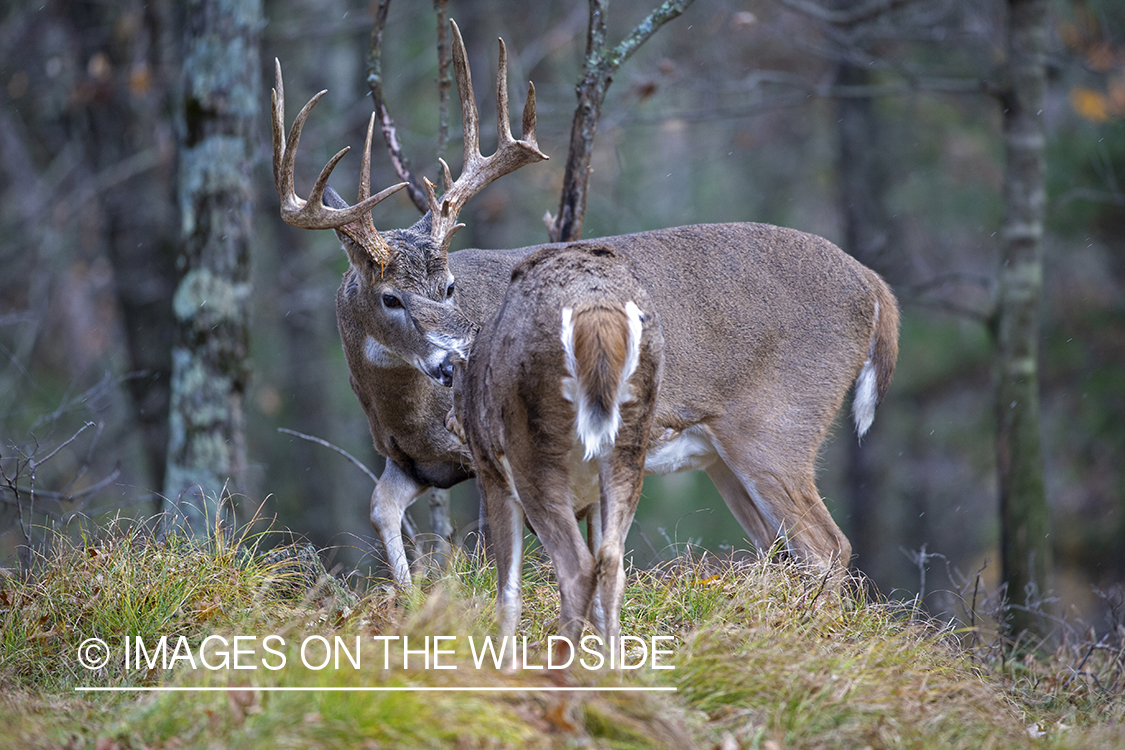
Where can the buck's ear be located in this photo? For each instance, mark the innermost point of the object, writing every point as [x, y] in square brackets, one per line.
[332, 199]
[422, 226]
[356, 254]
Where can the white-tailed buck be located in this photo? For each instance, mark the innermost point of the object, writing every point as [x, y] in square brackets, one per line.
[765, 331]
[556, 404]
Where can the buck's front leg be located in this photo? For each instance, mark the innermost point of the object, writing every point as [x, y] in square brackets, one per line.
[392, 496]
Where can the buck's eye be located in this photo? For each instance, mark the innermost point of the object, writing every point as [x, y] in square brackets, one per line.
[391, 302]
[449, 290]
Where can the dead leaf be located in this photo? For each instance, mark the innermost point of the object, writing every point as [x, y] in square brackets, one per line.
[557, 717]
[1089, 104]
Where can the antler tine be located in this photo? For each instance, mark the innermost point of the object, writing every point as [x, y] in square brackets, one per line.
[470, 119]
[278, 121]
[316, 195]
[365, 196]
[478, 171]
[503, 126]
[365, 164]
[362, 231]
[313, 214]
[527, 127]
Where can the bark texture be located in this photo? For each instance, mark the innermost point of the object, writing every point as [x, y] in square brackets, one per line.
[1025, 524]
[210, 357]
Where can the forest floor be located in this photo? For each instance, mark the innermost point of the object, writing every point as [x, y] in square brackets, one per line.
[732, 654]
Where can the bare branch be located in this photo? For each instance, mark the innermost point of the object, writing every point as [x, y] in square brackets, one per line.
[800, 92]
[560, 35]
[34, 464]
[408, 527]
[89, 458]
[70, 402]
[947, 279]
[378, 102]
[1089, 195]
[598, 73]
[16, 318]
[14, 359]
[11, 482]
[115, 174]
[444, 79]
[61, 497]
[983, 317]
[362, 467]
[668, 11]
[918, 295]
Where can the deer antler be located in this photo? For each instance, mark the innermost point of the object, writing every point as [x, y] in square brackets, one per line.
[355, 221]
[477, 170]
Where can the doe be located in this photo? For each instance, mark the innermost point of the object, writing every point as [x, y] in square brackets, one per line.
[556, 403]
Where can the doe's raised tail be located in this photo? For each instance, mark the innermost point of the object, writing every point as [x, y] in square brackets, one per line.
[601, 345]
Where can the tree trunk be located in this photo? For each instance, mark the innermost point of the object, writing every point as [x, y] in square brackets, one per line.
[210, 356]
[1025, 548]
[866, 227]
[142, 230]
[863, 173]
[596, 77]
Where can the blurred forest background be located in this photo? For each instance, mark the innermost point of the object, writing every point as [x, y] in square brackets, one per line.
[883, 135]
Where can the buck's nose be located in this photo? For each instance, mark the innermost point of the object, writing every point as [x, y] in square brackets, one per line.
[446, 368]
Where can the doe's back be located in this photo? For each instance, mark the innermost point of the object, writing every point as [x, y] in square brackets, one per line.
[518, 372]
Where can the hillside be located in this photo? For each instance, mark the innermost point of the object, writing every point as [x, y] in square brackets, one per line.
[761, 655]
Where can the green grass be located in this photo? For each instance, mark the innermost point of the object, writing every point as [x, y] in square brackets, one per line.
[764, 655]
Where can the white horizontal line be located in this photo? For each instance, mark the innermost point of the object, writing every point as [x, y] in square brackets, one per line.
[419, 689]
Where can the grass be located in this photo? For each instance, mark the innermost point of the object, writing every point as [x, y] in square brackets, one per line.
[764, 657]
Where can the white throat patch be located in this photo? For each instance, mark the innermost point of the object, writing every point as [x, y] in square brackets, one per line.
[379, 355]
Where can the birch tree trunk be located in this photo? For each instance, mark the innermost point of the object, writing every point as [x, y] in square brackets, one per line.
[210, 357]
[1025, 548]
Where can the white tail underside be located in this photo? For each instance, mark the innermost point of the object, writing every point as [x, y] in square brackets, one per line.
[866, 393]
[597, 433]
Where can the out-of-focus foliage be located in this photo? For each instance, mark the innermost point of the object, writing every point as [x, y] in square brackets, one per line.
[727, 114]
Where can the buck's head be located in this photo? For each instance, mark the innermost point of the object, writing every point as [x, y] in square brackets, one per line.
[399, 287]
[399, 290]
